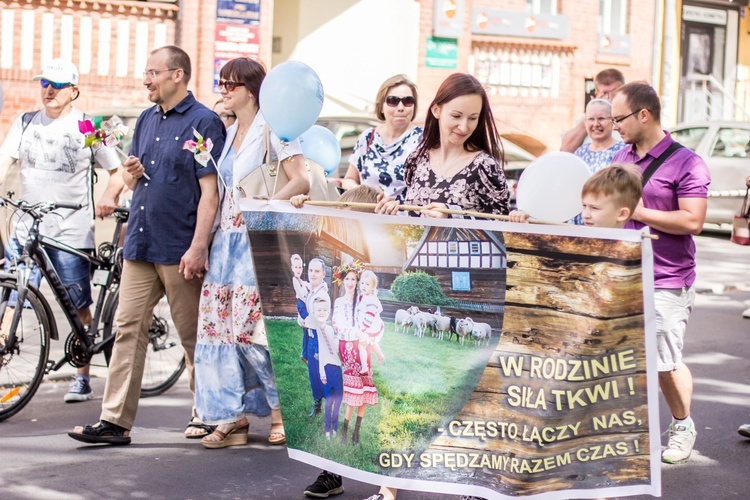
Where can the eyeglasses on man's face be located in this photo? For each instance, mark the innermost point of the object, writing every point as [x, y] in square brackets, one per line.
[153, 73]
[616, 121]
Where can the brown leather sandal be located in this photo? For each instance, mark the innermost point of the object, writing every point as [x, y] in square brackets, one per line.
[277, 435]
[235, 437]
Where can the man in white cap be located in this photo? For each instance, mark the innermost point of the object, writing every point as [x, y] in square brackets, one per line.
[55, 165]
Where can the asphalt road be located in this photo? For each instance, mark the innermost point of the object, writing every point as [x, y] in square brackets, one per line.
[39, 461]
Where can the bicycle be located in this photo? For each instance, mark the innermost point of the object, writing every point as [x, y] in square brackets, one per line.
[25, 346]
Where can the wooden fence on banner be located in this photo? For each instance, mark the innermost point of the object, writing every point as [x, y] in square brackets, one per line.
[568, 299]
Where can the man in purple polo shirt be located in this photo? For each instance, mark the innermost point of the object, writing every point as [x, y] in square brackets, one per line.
[674, 207]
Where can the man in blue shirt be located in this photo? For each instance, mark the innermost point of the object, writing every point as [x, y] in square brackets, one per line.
[175, 199]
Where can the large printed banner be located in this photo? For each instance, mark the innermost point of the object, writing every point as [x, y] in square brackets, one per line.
[466, 357]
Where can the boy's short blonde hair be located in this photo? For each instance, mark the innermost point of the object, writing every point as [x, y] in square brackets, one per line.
[360, 194]
[323, 300]
[621, 182]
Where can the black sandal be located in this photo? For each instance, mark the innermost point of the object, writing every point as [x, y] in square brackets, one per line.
[102, 432]
[197, 424]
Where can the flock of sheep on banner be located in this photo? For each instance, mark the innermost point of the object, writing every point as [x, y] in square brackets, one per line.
[437, 324]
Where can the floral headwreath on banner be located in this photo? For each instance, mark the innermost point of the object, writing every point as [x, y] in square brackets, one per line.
[340, 272]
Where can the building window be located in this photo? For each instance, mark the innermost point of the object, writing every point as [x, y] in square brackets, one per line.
[541, 6]
[613, 17]
[510, 71]
[453, 247]
[461, 281]
[474, 247]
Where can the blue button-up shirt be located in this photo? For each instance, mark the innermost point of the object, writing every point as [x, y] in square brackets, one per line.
[163, 212]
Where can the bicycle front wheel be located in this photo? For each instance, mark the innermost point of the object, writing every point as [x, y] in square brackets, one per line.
[22, 368]
[165, 357]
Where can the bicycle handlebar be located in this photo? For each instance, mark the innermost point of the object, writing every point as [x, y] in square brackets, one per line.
[72, 206]
[38, 210]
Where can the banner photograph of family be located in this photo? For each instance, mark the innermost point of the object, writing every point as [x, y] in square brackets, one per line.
[453, 357]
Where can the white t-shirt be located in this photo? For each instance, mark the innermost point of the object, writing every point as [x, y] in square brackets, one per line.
[55, 166]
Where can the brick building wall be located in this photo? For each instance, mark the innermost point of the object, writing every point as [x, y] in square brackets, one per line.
[196, 34]
[109, 41]
[543, 114]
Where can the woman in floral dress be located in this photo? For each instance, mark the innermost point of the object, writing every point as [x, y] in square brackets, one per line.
[231, 355]
[378, 157]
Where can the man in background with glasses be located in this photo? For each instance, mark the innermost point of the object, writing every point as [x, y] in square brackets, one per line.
[166, 245]
[674, 207]
[605, 82]
[55, 165]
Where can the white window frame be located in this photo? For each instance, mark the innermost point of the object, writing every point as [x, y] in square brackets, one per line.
[605, 17]
[535, 7]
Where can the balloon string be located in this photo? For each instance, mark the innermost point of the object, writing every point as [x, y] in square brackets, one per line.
[278, 168]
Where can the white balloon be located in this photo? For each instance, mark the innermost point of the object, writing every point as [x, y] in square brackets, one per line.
[550, 187]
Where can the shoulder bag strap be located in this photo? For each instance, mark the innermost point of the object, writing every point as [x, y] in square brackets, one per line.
[659, 161]
[266, 145]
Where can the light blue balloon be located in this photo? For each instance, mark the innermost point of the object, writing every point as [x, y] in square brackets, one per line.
[320, 145]
[291, 98]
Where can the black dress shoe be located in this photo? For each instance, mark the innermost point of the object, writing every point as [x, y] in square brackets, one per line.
[315, 409]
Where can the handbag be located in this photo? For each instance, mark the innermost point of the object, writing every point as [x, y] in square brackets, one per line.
[270, 178]
[266, 180]
[741, 224]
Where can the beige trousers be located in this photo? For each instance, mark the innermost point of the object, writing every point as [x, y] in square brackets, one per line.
[141, 288]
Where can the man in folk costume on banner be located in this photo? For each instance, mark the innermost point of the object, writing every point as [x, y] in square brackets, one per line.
[316, 273]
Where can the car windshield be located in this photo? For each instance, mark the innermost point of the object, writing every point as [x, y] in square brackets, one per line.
[689, 137]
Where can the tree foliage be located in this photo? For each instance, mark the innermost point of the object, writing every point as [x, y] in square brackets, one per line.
[420, 288]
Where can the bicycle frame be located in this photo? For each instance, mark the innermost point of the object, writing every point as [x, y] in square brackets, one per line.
[35, 252]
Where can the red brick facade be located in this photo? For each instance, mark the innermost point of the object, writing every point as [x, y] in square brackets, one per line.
[541, 114]
[136, 26]
[545, 117]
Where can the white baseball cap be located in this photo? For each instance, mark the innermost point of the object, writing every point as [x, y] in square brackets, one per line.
[59, 71]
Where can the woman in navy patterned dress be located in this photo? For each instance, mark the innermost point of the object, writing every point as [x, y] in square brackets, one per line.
[379, 155]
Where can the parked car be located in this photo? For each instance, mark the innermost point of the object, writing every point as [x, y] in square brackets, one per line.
[516, 161]
[347, 130]
[725, 147]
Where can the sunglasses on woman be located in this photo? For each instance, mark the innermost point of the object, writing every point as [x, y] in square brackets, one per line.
[229, 85]
[56, 86]
[393, 101]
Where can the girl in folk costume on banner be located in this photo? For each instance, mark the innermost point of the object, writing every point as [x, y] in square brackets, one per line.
[370, 325]
[359, 389]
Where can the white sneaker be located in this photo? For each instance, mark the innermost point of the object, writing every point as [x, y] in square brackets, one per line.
[746, 313]
[80, 390]
[681, 442]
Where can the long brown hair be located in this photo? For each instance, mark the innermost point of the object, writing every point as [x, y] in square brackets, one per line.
[484, 138]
